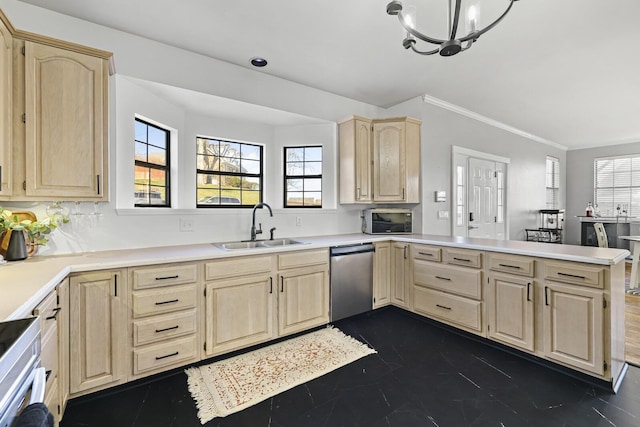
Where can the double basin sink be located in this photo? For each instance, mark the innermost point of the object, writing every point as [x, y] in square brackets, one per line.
[256, 244]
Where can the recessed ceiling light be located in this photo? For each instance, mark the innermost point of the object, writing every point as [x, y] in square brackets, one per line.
[258, 62]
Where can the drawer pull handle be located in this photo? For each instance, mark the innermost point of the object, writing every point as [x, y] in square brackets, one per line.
[47, 374]
[167, 277]
[510, 266]
[166, 329]
[167, 302]
[462, 259]
[425, 254]
[168, 355]
[528, 291]
[571, 275]
[443, 307]
[443, 278]
[55, 314]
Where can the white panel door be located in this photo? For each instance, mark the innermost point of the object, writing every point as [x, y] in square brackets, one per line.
[482, 200]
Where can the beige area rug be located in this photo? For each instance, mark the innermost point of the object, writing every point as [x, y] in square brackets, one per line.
[231, 385]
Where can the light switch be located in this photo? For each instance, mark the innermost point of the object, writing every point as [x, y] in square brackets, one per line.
[441, 196]
[443, 214]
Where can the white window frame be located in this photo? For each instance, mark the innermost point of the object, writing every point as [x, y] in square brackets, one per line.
[553, 183]
[616, 185]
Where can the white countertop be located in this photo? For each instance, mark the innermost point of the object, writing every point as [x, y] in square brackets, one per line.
[23, 284]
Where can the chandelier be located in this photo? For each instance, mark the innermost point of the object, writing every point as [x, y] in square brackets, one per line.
[455, 11]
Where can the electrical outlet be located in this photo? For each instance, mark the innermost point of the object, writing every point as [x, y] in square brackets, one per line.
[298, 221]
[186, 224]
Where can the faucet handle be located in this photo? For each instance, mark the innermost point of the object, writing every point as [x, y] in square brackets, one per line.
[259, 230]
[271, 232]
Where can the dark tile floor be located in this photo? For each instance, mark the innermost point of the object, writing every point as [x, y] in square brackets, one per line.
[422, 375]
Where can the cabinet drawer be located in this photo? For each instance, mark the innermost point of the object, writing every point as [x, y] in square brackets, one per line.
[162, 355]
[47, 310]
[163, 327]
[457, 310]
[164, 300]
[575, 273]
[234, 267]
[144, 278]
[455, 280]
[49, 354]
[464, 257]
[303, 258]
[427, 253]
[522, 266]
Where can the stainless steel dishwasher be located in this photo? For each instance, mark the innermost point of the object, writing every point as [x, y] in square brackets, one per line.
[351, 280]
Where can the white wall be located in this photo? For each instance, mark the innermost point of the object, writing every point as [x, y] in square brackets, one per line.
[139, 58]
[442, 129]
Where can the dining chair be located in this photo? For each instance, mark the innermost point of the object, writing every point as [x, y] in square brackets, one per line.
[601, 235]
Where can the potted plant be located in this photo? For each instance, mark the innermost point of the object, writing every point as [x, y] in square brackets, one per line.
[35, 232]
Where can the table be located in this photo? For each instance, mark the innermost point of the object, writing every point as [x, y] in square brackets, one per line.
[635, 252]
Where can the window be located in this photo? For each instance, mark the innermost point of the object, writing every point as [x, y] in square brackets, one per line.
[228, 174]
[151, 179]
[617, 185]
[303, 177]
[553, 183]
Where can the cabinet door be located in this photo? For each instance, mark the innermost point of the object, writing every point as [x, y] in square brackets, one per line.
[96, 336]
[66, 123]
[399, 274]
[382, 274]
[511, 309]
[389, 162]
[355, 161]
[573, 326]
[363, 161]
[239, 313]
[303, 299]
[6, 124]
[63, 342]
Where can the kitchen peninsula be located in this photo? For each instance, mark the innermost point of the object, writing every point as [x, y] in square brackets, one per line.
[560, 304]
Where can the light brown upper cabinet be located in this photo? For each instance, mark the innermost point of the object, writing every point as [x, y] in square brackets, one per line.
[379, 160]
[65, 122]
[57, 122]
[6, 43]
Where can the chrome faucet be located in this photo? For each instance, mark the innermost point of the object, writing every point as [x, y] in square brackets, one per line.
[254, 231]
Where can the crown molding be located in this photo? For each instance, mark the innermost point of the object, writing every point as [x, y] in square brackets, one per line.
[486, 120]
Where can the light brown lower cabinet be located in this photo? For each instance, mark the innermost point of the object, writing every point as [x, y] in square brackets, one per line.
[97, 340]
[511, 310]
[400, 274]
[573, 326]
[382, 274]
[253, 299]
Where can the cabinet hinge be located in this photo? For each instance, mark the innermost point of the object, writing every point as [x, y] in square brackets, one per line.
[205, 346]
[58, 409]
[605, 366]
[604, 303]
[495, 174]
[205, 292]
[488, 327]
[495, 219]
[24, 118]
[24, 185]
[23, 51]
[57, 299]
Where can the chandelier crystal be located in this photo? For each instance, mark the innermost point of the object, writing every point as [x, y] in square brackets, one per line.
[457, 17]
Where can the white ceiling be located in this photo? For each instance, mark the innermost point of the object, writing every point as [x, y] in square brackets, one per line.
[565, 71]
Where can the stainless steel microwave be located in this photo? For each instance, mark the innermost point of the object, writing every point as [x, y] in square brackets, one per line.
[387, 221]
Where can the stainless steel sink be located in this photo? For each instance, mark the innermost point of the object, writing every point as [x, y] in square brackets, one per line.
[281, 242]
[232, 246]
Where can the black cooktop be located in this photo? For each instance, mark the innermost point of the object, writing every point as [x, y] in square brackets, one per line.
[11, 330]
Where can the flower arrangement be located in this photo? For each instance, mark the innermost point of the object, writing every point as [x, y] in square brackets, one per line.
[36, 231]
